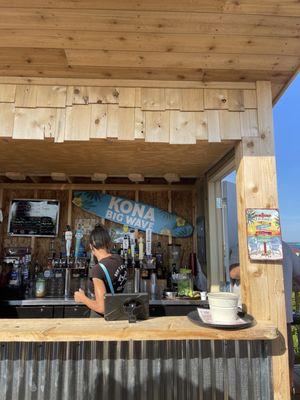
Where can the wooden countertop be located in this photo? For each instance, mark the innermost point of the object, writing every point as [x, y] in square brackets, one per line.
[164, 328]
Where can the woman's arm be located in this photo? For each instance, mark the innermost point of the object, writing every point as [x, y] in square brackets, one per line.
[95, 305]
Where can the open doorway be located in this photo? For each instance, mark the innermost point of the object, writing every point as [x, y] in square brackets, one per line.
[223, 225]
[229, 222]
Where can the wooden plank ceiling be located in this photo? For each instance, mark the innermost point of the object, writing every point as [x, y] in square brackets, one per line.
[195, 40]
[110, 157]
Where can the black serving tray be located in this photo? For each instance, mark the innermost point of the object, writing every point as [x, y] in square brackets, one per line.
[249, 321]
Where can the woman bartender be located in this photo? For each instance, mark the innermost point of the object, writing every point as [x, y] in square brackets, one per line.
[109, 275]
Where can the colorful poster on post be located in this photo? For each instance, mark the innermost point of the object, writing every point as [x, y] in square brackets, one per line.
[264, 234]
[134, 214]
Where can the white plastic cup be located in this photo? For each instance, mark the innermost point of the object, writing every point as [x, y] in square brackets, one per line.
[223, 307]
[203, 296]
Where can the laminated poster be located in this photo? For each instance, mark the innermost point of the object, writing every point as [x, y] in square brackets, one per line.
[134, 214]
[263, 234]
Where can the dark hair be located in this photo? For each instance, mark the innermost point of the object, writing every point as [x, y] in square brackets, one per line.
[100, 238]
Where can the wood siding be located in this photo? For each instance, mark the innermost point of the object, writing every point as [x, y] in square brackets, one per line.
[262, 283]
[176, 115]
[189, 40]
[181, 203]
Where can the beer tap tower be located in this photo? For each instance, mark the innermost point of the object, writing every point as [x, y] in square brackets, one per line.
[68, 240]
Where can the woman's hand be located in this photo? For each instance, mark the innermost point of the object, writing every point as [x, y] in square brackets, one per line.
[79, 296]
[96, 305]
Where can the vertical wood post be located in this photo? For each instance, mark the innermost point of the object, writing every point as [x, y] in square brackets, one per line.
[215, 240]
[262, 282]
[195, 211]
[103, 219]
[170, 239]
[33, 238]
[136, 198]
[70, 205]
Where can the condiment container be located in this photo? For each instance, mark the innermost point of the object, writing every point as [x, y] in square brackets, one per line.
[223, 306]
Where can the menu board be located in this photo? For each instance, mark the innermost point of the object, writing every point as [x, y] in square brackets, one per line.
[33, 218]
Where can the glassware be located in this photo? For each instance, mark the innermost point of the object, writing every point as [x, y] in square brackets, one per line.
[40, 287]
[153, 286]
[174, 255]
[185, 282]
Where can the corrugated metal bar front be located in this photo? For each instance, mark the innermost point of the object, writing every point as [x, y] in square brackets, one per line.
[154, 370]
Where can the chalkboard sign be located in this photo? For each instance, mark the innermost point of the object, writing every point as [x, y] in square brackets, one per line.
[33, 218]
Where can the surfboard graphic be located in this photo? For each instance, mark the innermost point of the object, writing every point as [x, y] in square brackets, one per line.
[134, 214]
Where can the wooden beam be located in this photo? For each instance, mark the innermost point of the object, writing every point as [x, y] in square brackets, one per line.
[163, 42]
[98, 177]
[262, 282]
[33, 80]
[172, 178]
[59, 177]
[74, 186]
[162, 74]
[152, 21]
[143, 59]
[15, 176]
[255, 7]
[136, 178]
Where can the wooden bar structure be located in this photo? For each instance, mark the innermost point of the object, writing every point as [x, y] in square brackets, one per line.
[166, 328]
[128, 97]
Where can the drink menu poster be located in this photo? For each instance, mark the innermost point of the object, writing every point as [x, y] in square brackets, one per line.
[263, 234]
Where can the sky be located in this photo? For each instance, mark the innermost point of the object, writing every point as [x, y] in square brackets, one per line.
[287, 149]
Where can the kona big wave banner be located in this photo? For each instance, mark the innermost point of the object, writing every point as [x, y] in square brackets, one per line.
[134, 214]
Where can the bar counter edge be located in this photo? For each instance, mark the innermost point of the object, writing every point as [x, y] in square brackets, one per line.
[160, 328]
